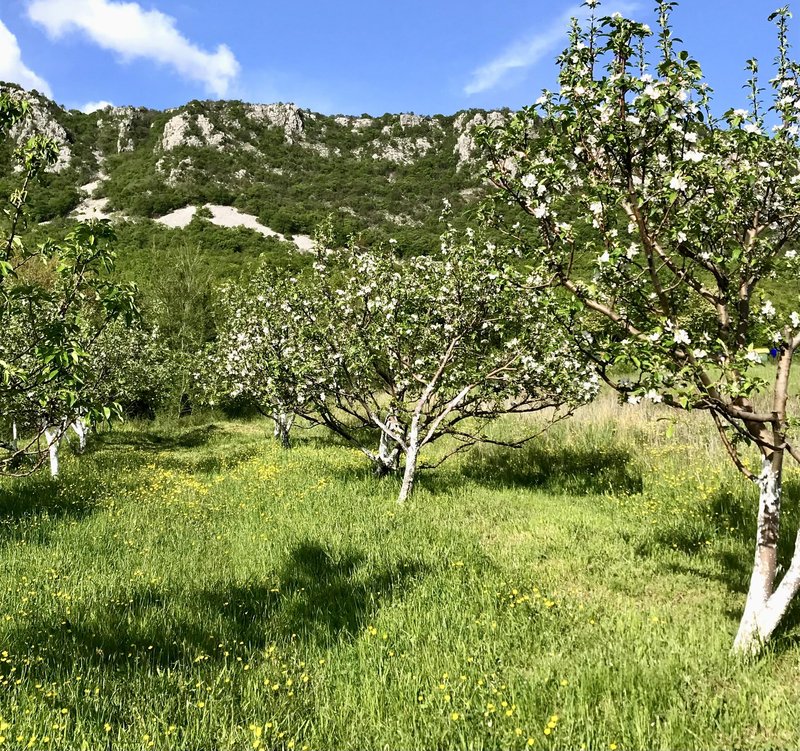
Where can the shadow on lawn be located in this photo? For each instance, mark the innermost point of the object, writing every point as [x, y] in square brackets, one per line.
[730, 515]
[318, 598]
[557, 469]
[154, 440]
[39, 498]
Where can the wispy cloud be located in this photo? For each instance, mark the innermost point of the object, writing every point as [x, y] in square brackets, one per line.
[528, 52]
[90, 107]
[133, 32]
[12, 69]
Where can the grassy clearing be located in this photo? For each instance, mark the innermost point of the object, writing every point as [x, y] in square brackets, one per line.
[194, 587]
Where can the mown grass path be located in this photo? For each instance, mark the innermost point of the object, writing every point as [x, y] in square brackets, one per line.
[196, 587]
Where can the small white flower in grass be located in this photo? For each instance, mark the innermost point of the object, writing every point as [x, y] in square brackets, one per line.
[768, 309]
[699, 354]
[682, 337]
[753, 356]
[694, 156]
[677, 183]
[654, 396]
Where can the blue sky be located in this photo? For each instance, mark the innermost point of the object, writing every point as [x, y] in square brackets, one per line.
[343, 56]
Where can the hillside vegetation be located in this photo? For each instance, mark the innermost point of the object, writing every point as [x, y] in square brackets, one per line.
[379, 177]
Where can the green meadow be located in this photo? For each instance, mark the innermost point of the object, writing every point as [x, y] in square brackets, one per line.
[190, 585]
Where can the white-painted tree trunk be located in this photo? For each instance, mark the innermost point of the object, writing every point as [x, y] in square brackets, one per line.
[412, 455]
[387, 461]
[79, 426]
[53, 438]
[766, 605]
[283, 428]
[14, 437]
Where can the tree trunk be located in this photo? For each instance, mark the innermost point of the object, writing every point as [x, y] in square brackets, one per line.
[766, 605]
[53, 438]
[79, 426]
[387, 462]
[14, 437]
[412, 455]
[283, 428]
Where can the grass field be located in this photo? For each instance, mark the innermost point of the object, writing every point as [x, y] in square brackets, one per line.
[192, 586]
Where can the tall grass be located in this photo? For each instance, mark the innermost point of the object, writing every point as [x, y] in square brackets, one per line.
[192, 586]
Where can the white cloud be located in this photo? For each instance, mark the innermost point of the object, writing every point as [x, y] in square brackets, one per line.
[12, 69]
[132, 32]
[90, 107]
[526, 53]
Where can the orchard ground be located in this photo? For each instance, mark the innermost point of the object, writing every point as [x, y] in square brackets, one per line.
[191, 585]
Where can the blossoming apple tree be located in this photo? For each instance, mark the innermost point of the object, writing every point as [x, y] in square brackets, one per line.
[662, 220]
[55, 300]
[401, 353]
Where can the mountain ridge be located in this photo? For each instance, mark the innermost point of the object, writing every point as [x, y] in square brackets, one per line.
[287, 167]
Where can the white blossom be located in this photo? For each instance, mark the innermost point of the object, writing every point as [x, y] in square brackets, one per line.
[677, 183]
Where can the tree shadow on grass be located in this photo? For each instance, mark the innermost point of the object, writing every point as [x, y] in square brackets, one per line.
[40, 498]
[321, 598]
[155, 440]
[186, 451]
[730, 515]
[318, 598]
[557, 469]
